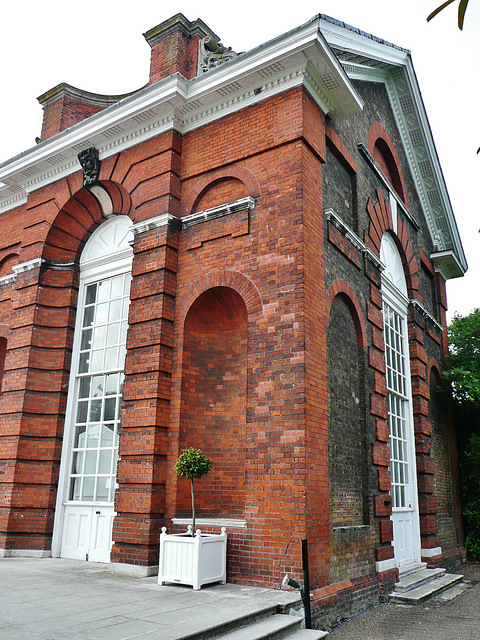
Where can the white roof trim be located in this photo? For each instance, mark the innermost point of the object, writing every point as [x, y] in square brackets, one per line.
[300, 57]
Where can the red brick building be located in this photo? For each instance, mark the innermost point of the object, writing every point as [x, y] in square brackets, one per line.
[249, 256]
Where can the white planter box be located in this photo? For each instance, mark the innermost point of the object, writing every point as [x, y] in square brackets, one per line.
[196, 560]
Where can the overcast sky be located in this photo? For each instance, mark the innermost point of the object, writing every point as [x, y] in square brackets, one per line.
[98, 46]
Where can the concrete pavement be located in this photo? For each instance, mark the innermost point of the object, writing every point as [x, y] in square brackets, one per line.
[56, 599]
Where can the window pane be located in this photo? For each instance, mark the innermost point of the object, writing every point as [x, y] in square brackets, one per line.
[96, 358]
[107, 435]
[113, 333]
[84, 388]
[84, 362]
[117, 287]
[79, 440]
[88, 316]
[86, 339]
[91, 293]
[109, 409]
[93, 434]
[111, 358]
[90, 462]
[102, 312]
[105, 461]
[77, 462]
[95, 410]
[75, 489]
[88, 489]
[98, 337]
[102, 489]
[111, 384]
[103, 291]
[82, 410]
[97, 386]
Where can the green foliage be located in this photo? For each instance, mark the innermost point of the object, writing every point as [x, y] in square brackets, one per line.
[470, 468]
[464, 373]
[193, 464]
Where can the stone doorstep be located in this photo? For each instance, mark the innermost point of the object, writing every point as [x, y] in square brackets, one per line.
[416, 579]
[427, 589]
[276, 626]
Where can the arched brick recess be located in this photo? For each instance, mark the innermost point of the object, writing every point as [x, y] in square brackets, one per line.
[7, 263]
[240, 173]
[378, 139]
[343, 289]
[222, 278]
[78, 218]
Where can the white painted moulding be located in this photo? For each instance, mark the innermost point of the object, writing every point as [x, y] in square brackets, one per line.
[192, 560]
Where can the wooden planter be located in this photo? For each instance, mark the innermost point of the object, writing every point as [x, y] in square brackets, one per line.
[194, 560]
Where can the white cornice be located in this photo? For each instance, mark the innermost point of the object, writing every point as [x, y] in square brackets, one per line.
[300, 57]
[367, 58]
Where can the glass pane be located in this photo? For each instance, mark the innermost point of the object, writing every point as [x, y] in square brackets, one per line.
[90, 462]
[86, 339]
[109, 409]
[82, 410]
[84, 388]
[111, 384]
[102, 489]
[96, 360]
[107, 435]
[88, 488]
[102, 312]
[84, 362]
[126, 286]
[75, 489]
[103, 291]
[117, 287]
[113, 333]
[95, 411]
[91, 293]
[79, 441]
[77, 462]
[88, 316]
[122, 352]
[105, 461]
[123, 333]
[97, 386]
[111, 358]
[98, 337]
[93, 435]
[115, 310]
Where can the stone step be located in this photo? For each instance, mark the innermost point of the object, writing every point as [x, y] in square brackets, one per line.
[427, 589]
[272, 628]
[416, 579]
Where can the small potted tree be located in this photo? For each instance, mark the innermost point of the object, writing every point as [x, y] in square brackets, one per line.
[193, 557]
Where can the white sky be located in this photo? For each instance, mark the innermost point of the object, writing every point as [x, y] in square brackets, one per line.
[98, 46]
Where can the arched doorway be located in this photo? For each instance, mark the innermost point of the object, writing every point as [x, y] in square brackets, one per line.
[85, 502]
[406, 532]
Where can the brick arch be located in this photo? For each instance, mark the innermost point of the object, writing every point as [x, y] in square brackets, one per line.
[78, 218]
[7, 263]
[381, 148]
[222, 278]
[342, 289]
[380, 223]
[242, 174]
[433, 365]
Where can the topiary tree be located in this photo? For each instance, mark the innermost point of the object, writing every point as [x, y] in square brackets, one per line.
[192, 464]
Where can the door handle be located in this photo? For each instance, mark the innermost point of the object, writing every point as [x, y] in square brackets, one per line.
[97, 513]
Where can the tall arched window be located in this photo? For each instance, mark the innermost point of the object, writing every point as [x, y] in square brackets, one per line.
[92, 427]
[406, 540]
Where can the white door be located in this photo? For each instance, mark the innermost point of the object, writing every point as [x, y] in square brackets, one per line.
[87, 533]
[85, 504]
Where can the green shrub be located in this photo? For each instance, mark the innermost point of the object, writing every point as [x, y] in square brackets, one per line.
[470, 473]
[193, 464]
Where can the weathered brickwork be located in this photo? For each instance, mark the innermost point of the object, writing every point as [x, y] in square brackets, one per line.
[255, 332]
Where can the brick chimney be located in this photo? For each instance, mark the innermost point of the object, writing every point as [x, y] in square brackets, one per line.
[175, 44]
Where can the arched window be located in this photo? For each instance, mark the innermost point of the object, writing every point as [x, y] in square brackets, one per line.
[92, 428]
[400, 416]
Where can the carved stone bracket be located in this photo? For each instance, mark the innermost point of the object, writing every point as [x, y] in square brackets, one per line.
[90, 162]
[212, 53]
